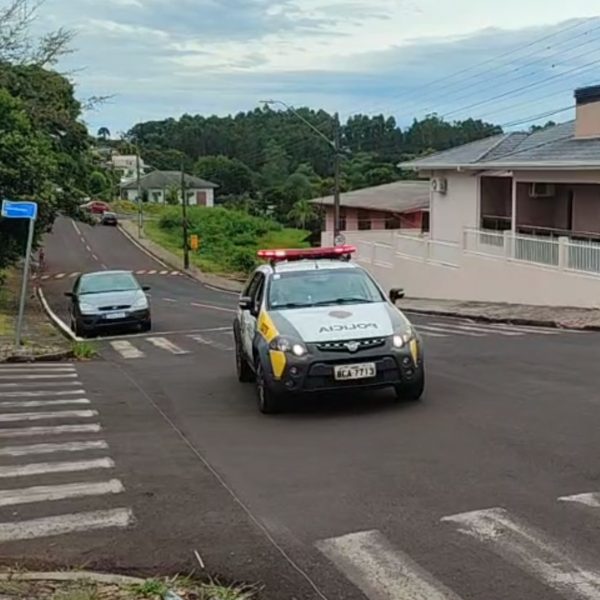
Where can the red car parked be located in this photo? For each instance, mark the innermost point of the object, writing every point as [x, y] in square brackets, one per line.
[96, 207]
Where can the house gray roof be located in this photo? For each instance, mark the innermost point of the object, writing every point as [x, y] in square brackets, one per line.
[165, 179]
[555, 148]
[399, 197]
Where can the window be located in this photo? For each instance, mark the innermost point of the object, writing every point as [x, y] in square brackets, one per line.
[392, 222]
[325, 287]
[156, 196]
[364, 220]
[110, 282]
[342, 219]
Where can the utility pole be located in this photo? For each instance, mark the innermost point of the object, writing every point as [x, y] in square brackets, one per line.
[186, 246]
[139, 190]
[335, 145]
[336, 189]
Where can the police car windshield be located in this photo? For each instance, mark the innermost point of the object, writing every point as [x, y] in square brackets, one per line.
[322, 288]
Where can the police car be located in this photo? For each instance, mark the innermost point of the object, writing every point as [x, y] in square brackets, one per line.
[312, 321]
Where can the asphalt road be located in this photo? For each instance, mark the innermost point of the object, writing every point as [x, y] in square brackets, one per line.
[348, 497]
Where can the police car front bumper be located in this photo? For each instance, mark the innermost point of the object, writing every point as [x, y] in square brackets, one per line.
[316, 370]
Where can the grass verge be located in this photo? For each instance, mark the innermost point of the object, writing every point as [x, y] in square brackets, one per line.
[151, 589]
[39, 336]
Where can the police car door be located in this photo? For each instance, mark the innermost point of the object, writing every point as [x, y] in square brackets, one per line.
[249, 317]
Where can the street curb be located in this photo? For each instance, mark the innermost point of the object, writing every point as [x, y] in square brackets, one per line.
[508, 320]
[226, 285]
[54, 318]
[70, 576]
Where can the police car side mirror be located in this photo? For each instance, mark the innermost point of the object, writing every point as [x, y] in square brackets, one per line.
[245, 303]
[396, 294]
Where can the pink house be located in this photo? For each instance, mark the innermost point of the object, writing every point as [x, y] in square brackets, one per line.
[398, 205]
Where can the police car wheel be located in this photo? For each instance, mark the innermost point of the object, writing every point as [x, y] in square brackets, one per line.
[244, 372]
[268, 401]
[412, 391]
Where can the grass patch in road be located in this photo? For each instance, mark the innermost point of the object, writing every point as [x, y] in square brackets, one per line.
[84, 350]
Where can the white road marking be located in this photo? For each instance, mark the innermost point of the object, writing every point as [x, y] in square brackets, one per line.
[482, 329]
[49, 493]
[41, 393]
[213, 307]
[56, 467]
[73, 275]
[44, 277]
[525, 329]
[380, 571]
[526, 548]
[202, 340]
[37, 365]
[50, 430]
[431, 334]
[168, 300]
[88, 248]
[71, 523]
[165, 344]
[174, 272]
[127, 349]
[35, 383]
[152, 272]
[592, 499]
[164, 272]
[45, 376]
[60, 275]
[141, 272]
[95, 257]
[42, 416]
[76, 228]
[42, 403]
[16, 373]
[228, 329]
[52, 448]
[449, 330]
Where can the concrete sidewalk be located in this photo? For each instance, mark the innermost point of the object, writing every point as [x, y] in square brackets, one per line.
[521, 314]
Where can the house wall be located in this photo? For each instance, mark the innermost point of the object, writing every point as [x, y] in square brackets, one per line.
[586, 208]
[396, 260]
[457, 209]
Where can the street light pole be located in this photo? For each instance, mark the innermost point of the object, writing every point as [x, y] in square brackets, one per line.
[139, 190]
[335, 145]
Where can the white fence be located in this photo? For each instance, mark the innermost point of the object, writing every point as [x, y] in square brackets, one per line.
[561, 252]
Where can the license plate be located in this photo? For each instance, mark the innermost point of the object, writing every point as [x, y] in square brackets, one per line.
[350, 372]
[120, 315]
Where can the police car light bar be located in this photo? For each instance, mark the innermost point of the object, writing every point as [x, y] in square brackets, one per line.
[306, 253]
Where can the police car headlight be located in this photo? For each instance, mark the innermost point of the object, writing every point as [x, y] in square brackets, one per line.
[401, 339]
[283, 344]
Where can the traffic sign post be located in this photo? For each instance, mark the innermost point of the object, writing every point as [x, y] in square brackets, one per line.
[22, 210]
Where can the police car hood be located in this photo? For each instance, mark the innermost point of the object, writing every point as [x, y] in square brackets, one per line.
[344, 322]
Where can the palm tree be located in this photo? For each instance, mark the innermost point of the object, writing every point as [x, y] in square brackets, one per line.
[104, 133]
[302, 212]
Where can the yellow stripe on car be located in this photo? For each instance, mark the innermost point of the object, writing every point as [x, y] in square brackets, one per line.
[278, 361]
[266, 327]
[414, 350]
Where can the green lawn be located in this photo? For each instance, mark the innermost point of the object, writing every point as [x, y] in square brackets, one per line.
[229, 240]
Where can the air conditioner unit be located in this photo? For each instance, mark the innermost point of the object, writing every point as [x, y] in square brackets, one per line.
[439, 185]
[541, 190]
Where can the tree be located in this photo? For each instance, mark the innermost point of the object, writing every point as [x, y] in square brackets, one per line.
[232, 176]
[172, 195]
[98, 184]
[104, 133]
[276, 164]
[303, 212]
[27, 172]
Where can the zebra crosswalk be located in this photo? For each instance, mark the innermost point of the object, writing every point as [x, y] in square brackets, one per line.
[383, 571]
[52, 450]
[221, 338]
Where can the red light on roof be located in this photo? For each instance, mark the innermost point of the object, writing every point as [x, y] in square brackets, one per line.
[306, 253]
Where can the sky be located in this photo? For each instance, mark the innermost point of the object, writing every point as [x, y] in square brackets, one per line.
[504, 62]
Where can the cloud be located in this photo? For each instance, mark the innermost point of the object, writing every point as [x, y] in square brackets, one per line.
[162, 58]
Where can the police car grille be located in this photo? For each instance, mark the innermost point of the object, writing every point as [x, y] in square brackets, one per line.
[343, 346]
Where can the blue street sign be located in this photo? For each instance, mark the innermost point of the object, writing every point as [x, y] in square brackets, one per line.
[19, 210]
